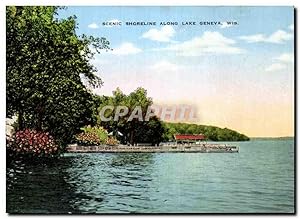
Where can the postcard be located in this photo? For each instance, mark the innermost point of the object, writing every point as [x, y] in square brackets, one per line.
[150, 110]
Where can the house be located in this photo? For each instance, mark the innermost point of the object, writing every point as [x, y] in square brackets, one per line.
[189, 138]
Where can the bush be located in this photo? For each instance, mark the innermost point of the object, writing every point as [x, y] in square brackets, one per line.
[32, 143]
[112, 141]
[92, 135]
[97, 130]
[88, 139]
[96, 135]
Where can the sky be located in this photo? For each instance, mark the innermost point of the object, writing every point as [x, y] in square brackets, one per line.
[238, 76]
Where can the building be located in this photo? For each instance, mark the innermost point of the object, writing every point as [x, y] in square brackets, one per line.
[189, 138]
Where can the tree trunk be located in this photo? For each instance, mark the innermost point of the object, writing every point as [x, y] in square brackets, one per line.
[40, 112]
[20, 120]
[39, 122]
[131, 137]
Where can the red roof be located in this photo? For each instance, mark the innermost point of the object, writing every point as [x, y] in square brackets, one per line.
[189, 137]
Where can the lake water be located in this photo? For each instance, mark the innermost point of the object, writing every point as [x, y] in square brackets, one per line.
[258, 179]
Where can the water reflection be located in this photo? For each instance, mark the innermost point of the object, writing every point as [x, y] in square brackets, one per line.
[138, 160]
[111, 181]
[40, 188]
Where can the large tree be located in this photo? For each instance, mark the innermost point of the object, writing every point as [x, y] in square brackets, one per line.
[46, 61]
[134, 130]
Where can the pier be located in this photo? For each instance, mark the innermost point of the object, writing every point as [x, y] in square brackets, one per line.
[204, 148]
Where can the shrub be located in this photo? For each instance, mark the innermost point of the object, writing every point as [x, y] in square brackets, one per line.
[33, 143]
[88, 139]
[112, 141]
[96, 130]
[96, 135]
[92, 136]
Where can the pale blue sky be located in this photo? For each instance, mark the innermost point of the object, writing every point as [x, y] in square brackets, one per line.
[251, 20]
[245, 68]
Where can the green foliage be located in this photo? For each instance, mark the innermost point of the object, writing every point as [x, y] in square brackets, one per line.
[134, 131]
[151, 131]
[211, 132]
[96, 135]
[99, 131]
[46, 62]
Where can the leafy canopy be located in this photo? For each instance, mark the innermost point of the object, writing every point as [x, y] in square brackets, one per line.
[46, 61]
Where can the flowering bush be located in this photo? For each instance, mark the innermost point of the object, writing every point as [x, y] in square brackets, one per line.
[112, 141]
[92, 135]
[88, 139]
[95, 136]
[96, 130]
[32, 142]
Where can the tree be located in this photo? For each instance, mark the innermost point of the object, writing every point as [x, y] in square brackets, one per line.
[137, 98]
[45, 63]
[151, 131]
[134, 131]
[169, 133]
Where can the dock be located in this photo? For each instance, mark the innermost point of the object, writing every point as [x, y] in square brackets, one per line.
[204, 148]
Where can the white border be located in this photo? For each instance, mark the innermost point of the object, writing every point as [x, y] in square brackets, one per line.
[152, 2]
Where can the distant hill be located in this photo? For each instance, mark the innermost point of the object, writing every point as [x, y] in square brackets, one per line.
[212, 133]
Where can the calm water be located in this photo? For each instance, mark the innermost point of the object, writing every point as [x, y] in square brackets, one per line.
[258, 179]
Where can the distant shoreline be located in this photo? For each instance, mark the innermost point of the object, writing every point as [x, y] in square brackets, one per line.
[272, 138]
